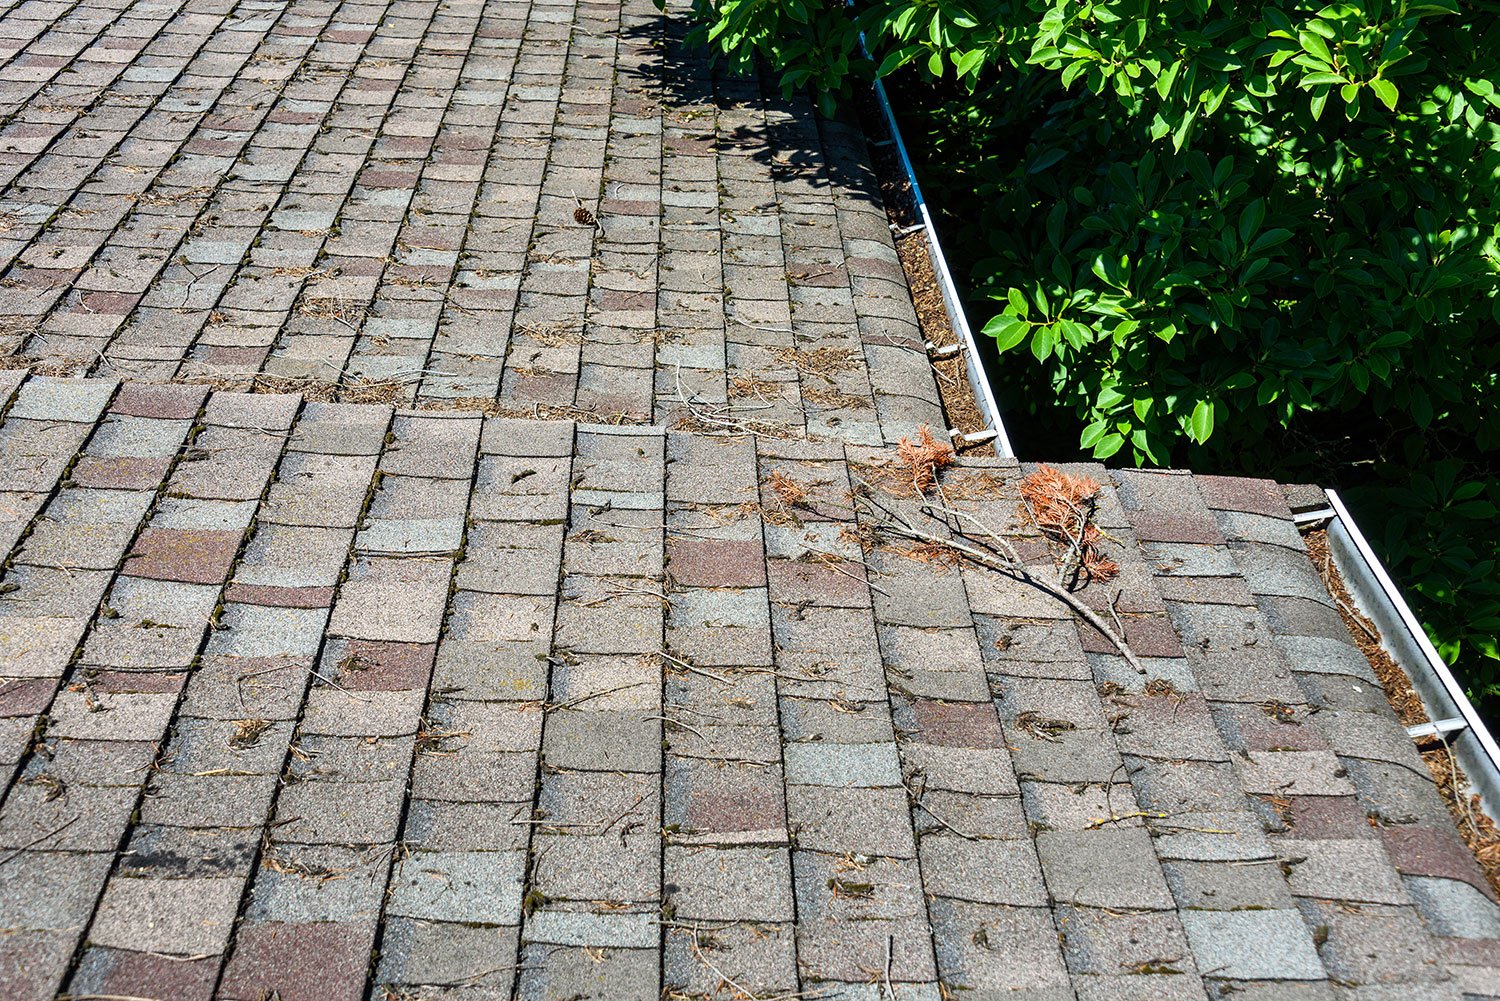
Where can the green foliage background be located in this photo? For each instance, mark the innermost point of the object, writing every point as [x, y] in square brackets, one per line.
[1240, 236]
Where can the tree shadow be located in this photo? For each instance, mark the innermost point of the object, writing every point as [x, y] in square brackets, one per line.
[795, 142]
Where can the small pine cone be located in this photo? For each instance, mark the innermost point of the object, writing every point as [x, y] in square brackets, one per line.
[583, 216]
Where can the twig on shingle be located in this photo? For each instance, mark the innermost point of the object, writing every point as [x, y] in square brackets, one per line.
[680, 725]
[916, 799]
[890, 947]
[1003, 559]
[554, 706]
[743, 992]
[38, 840]
[620, 592]
[697, 670]
[832, 561]
[1116, 818]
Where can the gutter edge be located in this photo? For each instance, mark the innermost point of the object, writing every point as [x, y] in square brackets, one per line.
[978, 380]
[1406, 641]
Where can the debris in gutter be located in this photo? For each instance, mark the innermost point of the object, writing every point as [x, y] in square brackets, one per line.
[1479, 832]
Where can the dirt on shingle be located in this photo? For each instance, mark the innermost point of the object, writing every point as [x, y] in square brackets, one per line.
[1478, 831]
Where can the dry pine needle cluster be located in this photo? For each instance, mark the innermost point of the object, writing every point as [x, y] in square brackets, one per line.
[924, 457]
[1062, 506]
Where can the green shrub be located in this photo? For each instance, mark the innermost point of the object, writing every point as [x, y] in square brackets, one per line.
[1230, 235]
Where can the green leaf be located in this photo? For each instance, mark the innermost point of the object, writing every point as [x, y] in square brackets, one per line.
[1007, 330]
[896, 59]
[1018, 302]
[1109, 445]
[935, 63]
[1251, 218]
[1183, 130]
[1386, 91]
[1108, 398]
[1421, 407]
[1164, 81]
[1201, 423]
[1315, 46]
[969, 62]
[1043, 342]
[1046, 159]
[1270, 238]
[1391, 339]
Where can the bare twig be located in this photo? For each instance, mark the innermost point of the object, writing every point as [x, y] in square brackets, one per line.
[832, 561]
[916, 799]
[743, 992]
[698, 670]
[612, 821]
[1007, 565]
[890, 947]
[294, 667]
[680, 725]
[553, 707]
[1458, 793]
[36, 841]
[620, 592]
[1116, 818]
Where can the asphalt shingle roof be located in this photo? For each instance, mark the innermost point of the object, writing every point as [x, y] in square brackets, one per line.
[335, 701]
[317, 698]
[389, 195]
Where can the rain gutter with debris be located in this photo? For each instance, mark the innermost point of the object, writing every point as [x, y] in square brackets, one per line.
[1453, 719]
[979, 383]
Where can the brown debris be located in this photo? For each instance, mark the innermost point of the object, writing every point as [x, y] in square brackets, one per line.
[959, 403]
[824, 362]
[247, 733]
[359, 390]
[954, 390]
[58, 368]
[1042, 728]
[754, 385]
[1062, 507]
[930, 553]
[293, 867]
[924, 457]
[787, 490]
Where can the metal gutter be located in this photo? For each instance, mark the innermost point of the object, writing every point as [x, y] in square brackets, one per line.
[1455, 720]
[978, 380]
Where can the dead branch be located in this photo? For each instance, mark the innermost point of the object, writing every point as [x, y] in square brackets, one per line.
[1007, 563]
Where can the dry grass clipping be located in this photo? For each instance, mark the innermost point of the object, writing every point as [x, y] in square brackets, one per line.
[62, 367]
[360, 389]
[787, 490]
[924, 458]
[824, 362]
[1062, 507]
[930, 553]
